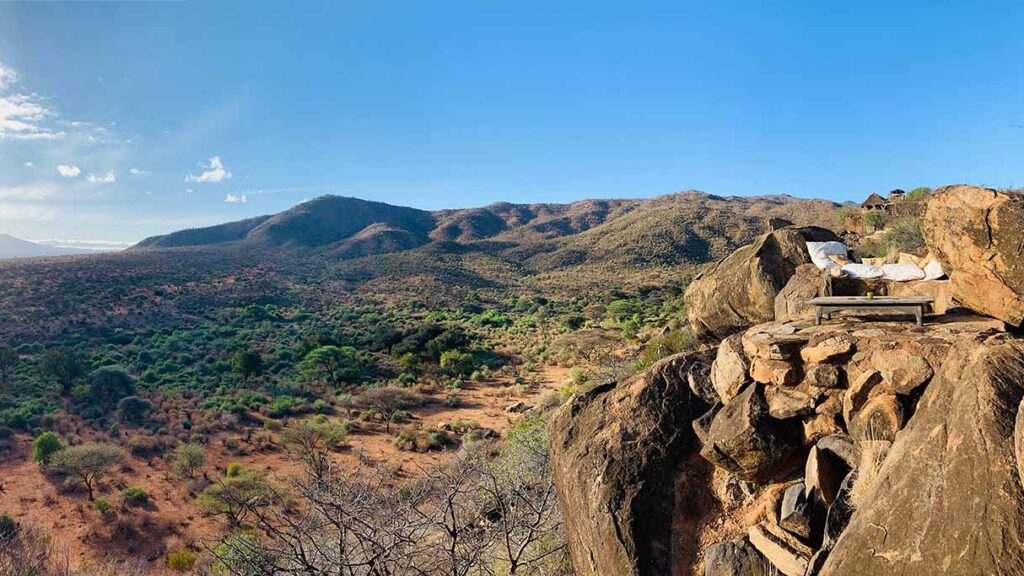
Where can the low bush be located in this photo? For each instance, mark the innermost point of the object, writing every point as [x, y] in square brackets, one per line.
[134, 496]
[181, 561]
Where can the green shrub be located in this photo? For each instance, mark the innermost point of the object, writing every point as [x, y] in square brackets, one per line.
[452, 401]
[181, 561]
[233, 470]
[134, 495]
[842, 215]
[875, 219]
[46, 445]
[917, 194]
[103, 505]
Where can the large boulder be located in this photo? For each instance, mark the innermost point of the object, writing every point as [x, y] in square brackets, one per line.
[746, 441]
[740, 290]
[948, 497]
[632, 487]
[977, 234]
[807, 282]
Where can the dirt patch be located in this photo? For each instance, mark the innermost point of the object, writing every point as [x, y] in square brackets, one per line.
[171, 522]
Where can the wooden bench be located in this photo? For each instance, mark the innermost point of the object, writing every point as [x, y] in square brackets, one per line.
[826, 305]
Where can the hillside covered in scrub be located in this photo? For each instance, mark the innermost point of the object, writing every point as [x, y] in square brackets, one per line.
[341, 336]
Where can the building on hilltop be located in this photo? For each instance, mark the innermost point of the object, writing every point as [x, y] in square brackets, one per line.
[874, 202]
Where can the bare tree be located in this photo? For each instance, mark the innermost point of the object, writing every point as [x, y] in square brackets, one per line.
[489, 510]
[27, 550]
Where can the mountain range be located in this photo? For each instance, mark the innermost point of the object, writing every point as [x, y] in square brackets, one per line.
[670, 230]
[11, 247]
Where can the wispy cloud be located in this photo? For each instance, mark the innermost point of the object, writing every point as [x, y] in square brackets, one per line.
[69, 170]
[232, 199]
[24, 116]
[138, 172]
[105, 179]
[213, 172]
[29, 164]
[30, 192]
[7, 76]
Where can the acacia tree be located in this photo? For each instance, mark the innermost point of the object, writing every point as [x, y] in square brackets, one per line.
[332, 365]
[108, 385]
[87, 463]
[66, 366]
[389, 401]
[247, 363]
[313, 442]
[188, 458]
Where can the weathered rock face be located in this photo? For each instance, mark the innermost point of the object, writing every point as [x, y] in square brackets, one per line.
[977, 233]
[729, 369]
[948, 498]
[791, 303]
[740, 290]
[628, 477]
[746, 441]
[862, 380]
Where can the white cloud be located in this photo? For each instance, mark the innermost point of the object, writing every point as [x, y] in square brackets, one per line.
[105, 179]
[24, 117]
[7, 76]
[29, 164]
[214, 172]
[232, 199]
[137, 172]
[68, 170]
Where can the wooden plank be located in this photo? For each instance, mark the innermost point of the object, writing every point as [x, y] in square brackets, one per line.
[880, 301]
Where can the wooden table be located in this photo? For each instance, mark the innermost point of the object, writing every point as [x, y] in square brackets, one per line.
[826, 305]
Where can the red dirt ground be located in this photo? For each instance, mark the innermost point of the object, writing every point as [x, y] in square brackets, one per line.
[170, 522]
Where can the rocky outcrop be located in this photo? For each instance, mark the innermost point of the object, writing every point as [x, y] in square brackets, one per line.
[977, 234]
[631, 485]
[948, 498]
[746, 441]
[862, 381]
[740, 290]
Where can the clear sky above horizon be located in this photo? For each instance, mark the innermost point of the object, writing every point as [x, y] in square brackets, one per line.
[123, 120]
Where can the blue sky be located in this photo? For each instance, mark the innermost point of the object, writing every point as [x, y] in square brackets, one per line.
[122, 120]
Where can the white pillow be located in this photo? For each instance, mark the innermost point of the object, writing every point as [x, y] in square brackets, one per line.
[902, 272]
[933, 270]
[820, 251]
[863, 271]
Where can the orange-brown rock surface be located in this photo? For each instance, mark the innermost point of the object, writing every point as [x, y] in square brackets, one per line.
[740, 290]
[978, 235]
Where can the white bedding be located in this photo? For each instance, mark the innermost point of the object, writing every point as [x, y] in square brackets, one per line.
[862, 271]
[820, 251]
[902, 272]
